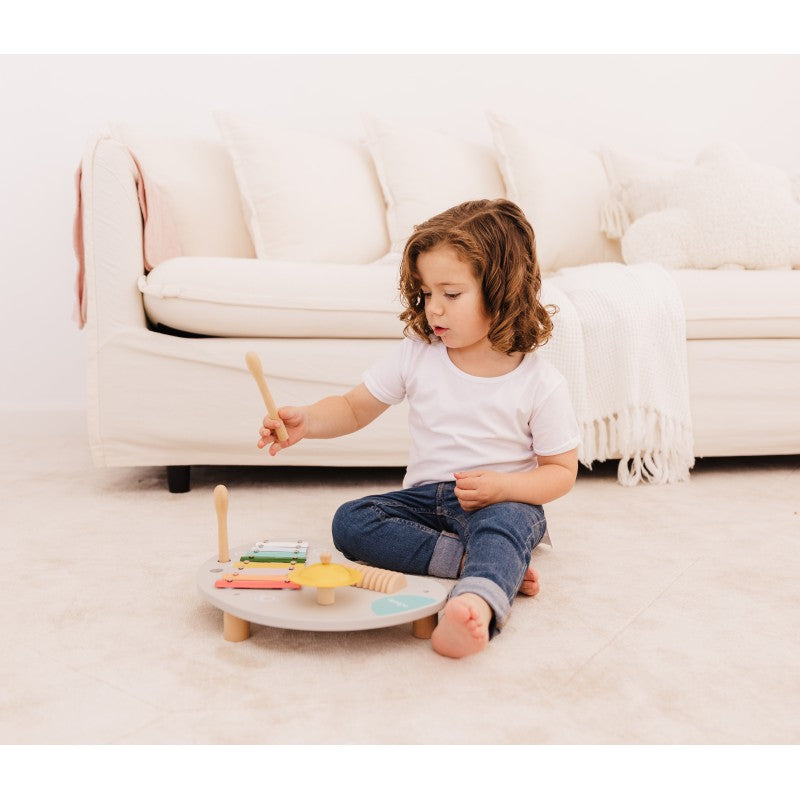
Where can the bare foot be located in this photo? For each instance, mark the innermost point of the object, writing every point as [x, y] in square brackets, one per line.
[464, 626]
[530, 583]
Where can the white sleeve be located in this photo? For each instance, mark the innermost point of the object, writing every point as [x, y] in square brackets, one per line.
[385, 380]
[554, 427]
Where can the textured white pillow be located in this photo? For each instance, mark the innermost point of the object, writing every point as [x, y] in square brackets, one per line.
[725, 211]
[561, 188]
[424, 172]
[306, 197]
[197, 180]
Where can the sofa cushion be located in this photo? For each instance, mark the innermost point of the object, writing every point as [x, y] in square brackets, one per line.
[256, 298]
[740, 304]
[306, 197]
[723, 210]
[424, 172]
[562, 189]
[196, 178]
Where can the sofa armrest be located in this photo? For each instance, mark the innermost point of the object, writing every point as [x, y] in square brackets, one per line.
[113, 261]
[112, 235]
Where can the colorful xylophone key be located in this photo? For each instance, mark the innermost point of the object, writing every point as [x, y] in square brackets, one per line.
[249, 581]
[280, 551]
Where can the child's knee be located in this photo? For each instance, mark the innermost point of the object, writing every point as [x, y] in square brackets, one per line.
[340, 524]
[346, 524]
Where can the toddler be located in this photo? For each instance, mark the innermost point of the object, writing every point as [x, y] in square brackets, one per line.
[493, 432]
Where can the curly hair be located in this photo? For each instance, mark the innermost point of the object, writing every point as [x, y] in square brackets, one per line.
[495, 237]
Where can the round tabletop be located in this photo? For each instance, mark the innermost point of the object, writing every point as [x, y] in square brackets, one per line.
[297, 609]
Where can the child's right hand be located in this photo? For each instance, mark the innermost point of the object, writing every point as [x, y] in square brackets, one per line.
[296, 422]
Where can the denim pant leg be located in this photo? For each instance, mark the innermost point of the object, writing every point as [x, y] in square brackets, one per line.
[499, 541]
[408, 531]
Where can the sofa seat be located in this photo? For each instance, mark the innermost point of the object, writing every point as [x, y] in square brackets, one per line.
[252, 298]
[246, 298]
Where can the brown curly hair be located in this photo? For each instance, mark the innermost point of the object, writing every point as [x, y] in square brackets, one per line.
[495, 237]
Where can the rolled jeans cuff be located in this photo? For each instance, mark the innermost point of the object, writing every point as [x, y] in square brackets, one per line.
[446, 559]
[491, 593]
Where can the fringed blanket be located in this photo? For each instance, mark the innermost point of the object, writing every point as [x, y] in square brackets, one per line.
[620, 341]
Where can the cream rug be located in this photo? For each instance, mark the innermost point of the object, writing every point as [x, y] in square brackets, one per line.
[669, 614]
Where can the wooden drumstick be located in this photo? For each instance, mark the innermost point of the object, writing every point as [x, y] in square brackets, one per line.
[221, 504]
[254, 365]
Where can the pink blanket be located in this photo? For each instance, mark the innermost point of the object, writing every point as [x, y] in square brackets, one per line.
[160, 237]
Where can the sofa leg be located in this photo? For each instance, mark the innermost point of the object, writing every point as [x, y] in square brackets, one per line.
[178, 479]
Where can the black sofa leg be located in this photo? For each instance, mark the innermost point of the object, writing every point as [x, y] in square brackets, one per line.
[178, 479]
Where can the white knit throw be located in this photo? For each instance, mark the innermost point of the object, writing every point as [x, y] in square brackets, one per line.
[619, 339]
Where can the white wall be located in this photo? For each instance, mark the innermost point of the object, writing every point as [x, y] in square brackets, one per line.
[51, 106]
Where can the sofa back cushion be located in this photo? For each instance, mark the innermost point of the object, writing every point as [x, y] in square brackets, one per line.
[425, 171]
[561, 187]
[307, 197]
[196, 179]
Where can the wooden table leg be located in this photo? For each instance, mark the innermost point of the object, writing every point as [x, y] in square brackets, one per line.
[234, 629]
[423, 628]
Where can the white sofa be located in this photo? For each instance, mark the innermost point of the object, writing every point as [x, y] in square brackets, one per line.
[288, 246]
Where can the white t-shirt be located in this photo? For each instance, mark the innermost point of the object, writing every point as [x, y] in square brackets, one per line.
[461, 422]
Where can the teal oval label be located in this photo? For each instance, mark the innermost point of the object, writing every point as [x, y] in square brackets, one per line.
[396, 603]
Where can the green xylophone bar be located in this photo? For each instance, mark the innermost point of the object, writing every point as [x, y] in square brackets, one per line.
[278, 557]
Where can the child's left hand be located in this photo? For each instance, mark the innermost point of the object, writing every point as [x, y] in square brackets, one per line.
[478, 489]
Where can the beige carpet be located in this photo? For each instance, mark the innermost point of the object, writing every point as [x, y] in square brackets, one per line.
[668, 614]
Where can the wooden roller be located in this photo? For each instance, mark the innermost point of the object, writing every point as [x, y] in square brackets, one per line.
[381, 580]
[254, 365]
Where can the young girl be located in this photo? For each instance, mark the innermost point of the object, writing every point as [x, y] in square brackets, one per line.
[493, 433]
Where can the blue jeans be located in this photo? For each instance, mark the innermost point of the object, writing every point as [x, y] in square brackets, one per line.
[424, 531]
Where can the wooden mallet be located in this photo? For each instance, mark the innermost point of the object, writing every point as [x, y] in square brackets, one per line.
[221, 505]
[254, 365]
[234, 629]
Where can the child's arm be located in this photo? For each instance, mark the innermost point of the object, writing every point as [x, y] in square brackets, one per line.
[330, 417]
[553, 478]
